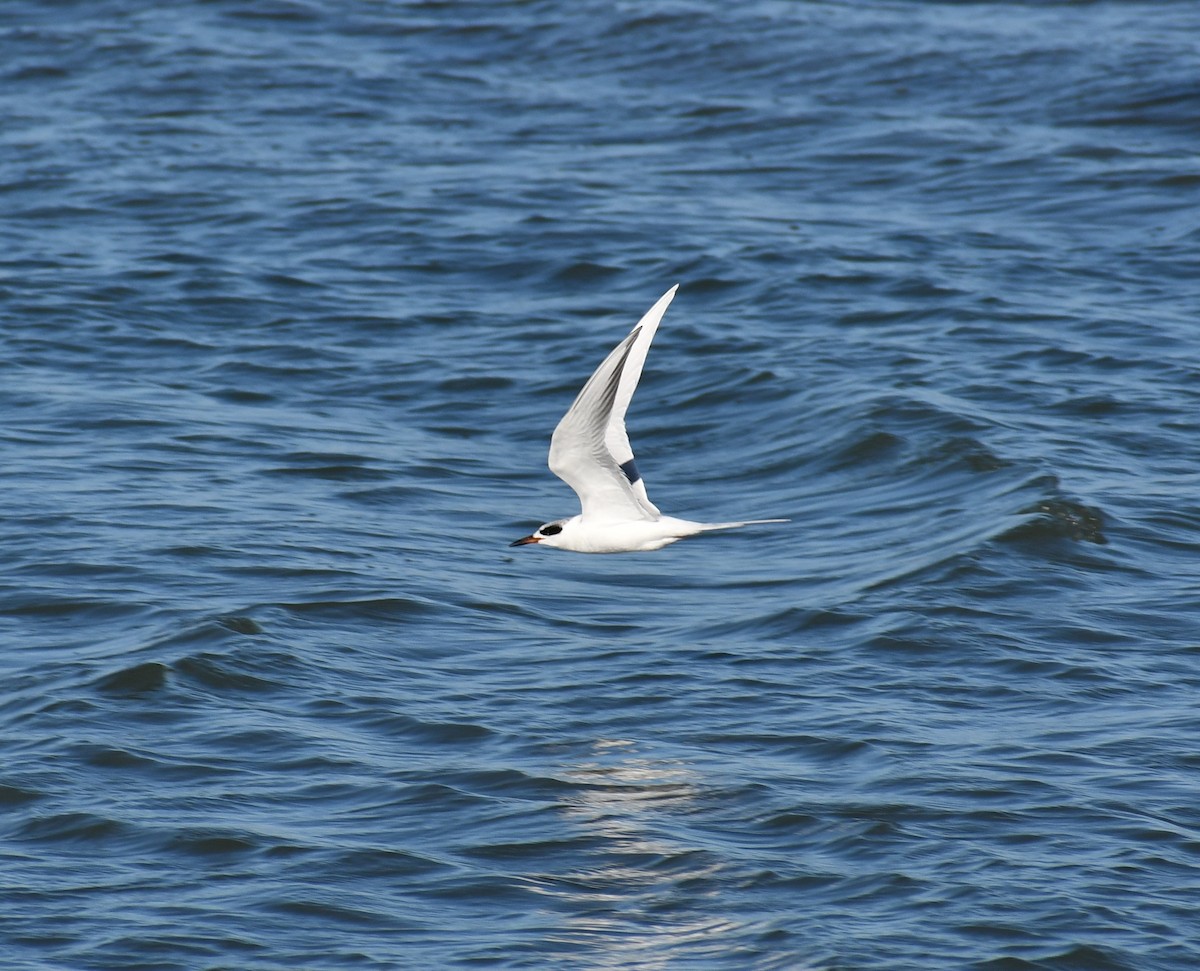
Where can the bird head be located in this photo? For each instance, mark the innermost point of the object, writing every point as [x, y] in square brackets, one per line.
[547, 535]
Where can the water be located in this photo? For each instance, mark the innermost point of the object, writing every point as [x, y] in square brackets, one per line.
[292, 295]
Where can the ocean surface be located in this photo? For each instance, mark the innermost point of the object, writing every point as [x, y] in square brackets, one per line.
[292, 294]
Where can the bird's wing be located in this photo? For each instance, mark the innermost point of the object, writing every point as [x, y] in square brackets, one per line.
[615, 437]
[590, 450]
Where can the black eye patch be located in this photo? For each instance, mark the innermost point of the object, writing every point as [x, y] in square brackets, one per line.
[550, 530]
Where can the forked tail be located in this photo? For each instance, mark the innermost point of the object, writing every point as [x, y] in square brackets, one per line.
[706, 527]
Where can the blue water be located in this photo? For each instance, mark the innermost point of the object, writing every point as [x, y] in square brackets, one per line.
[292, 295]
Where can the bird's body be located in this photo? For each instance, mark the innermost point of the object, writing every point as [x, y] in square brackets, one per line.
[590, 451]
[634, 536]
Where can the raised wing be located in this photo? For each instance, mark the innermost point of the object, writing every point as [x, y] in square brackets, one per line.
[616, 438]
[590, 449]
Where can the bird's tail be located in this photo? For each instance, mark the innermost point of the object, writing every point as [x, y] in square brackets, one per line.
[706, 527]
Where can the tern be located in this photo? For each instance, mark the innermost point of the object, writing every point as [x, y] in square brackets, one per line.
[590, 452]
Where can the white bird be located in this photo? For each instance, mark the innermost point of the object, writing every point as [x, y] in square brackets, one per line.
[590, 452]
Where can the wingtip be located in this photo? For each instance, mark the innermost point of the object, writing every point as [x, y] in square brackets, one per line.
[661, 304]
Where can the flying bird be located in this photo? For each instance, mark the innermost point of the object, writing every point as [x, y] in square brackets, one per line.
[590, 452]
